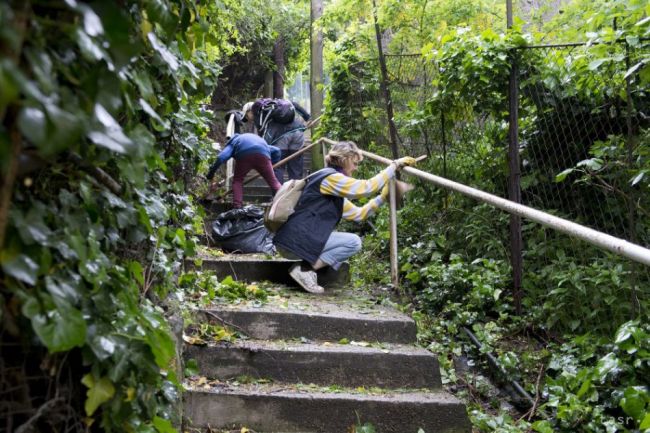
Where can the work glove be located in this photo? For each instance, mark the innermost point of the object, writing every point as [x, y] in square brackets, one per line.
[405, 161]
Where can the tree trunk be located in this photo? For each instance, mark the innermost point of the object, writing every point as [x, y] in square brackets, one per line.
[9, 119]
[383, 84]
[268, 84]
[278, 74]
[514, 179]
[316, 77]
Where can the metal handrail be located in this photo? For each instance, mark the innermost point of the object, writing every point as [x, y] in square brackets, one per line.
[276, 165]
[594, 237]
[591, 236]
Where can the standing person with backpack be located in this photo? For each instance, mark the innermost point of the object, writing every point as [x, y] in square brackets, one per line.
[277, 123]
[309, 232]
[250, 152]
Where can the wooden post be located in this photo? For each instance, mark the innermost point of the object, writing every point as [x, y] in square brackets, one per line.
[392, 201]
[230, 164]
[445, 197]
[633, 195]
[316, 76]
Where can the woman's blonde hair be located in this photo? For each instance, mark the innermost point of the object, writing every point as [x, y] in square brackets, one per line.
[341, 152]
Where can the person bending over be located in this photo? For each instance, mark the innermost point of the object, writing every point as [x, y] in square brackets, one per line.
[250, 152]
[309, 232]
[288, 137]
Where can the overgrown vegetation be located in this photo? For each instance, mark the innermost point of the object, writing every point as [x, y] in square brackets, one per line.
[104, 128]
[103, 131]
[584, 145]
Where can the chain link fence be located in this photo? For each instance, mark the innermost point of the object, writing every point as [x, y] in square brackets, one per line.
[583, 140]
[596, 140]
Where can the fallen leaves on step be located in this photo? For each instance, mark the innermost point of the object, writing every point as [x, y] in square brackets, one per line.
[196, 341]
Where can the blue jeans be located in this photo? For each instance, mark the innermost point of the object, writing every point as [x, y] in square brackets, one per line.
[339, 247]
[290, 144]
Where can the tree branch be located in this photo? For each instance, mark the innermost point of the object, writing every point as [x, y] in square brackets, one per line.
[8, 178]
[100, 175]
[45, 407]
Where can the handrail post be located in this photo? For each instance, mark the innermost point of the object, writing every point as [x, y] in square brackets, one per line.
[392, 202]
[230, 165]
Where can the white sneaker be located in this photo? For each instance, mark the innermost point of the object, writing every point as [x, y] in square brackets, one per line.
[307, 279]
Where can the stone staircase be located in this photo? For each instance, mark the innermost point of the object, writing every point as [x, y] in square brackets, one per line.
[313, 363]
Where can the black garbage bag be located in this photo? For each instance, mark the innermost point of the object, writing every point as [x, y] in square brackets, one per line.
[242, 231]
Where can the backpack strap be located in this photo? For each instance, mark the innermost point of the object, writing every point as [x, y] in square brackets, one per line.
[323, 171]
[266, 117]
[318, 176]
[301, 128]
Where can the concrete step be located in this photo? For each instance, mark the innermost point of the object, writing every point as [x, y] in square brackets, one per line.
[321, 318]
[281, 408]
[257, 199]
[258, 182]
[256, 267]
[351, 365]
[255, 190]
[214, 208]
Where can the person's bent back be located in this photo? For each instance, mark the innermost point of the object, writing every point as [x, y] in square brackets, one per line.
[250, 152]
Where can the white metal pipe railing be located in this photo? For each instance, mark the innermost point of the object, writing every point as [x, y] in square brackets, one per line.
[594, 237]
[230, 165]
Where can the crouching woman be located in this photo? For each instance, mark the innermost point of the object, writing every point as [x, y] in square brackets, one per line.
[309, 232]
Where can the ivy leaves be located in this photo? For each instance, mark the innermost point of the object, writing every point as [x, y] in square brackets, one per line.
[58, 324]
[99, 391]
[588, 387]
[114, 91]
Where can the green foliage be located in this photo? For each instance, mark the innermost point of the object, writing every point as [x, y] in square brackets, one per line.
[206, 288]
[601, 387]
[103, 101]
[477, 285]
[600, 20]
[256, 25]
[346, 116]
[476, 71]
[570, 296]
[584, 150]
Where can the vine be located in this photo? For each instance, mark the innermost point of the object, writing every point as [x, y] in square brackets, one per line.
[101, 105]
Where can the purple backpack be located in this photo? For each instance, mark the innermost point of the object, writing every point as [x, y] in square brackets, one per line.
[266, 110]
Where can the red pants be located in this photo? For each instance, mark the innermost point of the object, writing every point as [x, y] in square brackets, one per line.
[262, 165]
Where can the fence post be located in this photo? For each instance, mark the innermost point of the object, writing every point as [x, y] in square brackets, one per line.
[316, 73]
[514, 186]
